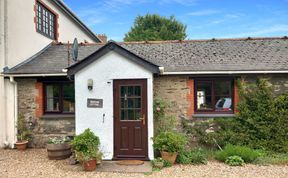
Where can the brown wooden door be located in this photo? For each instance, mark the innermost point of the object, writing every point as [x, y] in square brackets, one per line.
[130, 119]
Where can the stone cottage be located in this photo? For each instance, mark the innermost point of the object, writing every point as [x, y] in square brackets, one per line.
[110, 88]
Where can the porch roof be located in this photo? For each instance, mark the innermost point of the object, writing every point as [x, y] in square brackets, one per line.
[249, 54]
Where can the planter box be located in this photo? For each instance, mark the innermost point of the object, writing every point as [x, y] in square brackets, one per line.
[59, 151]
[171, 157]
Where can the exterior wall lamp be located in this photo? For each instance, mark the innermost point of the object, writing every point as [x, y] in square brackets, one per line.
[90, 84]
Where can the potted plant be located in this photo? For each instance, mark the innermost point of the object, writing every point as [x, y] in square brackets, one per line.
[58, 148]
[99, 157]
[86, 147]
[169, 144]
[24, 135]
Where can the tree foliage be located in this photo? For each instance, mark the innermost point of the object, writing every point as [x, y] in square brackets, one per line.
[153, 27]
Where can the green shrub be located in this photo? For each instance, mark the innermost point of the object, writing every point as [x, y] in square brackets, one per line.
[170, 142]
[86, 146]
[234, 161]
[275, 158]
[194, 156]
[23, 131]
[261, 121]
[162, 121]
[247, 154]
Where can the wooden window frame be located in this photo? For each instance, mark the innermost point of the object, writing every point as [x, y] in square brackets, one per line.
[50, 25]
[61, 97]
[213, 96]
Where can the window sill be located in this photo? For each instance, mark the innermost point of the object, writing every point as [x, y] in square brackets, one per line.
[214, 115]
[58, 116]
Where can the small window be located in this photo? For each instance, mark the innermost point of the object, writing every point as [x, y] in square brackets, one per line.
[45, 21]
[59, 98]
[214, 95]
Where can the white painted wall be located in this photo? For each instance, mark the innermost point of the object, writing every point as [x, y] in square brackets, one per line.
[24, 41]
[19, 41]
[103, 71]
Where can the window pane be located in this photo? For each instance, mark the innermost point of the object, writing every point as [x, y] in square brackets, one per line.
[223, 88]
[68, 98]
[52, 104]
[223, 96]
[69, 105]
[52, 91]
[223, 103]
[68, 90]
[45, 21]
[204, 99]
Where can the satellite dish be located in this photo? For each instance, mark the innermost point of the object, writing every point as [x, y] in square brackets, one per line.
[74, 50]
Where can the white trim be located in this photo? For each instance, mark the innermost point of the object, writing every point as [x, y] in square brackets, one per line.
[15, 109]
[226, 72]
[35, 75]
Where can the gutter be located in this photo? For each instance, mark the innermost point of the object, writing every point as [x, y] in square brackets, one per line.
[225, 72]
[15, 108]
[35, 75]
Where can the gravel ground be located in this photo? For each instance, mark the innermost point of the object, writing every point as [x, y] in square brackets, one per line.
[34, 163]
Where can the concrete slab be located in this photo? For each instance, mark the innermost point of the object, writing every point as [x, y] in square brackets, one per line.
[112, 166]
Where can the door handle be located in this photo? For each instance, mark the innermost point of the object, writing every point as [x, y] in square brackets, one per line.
[142, 119]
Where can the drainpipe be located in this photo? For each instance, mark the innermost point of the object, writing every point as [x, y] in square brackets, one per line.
[15, 108]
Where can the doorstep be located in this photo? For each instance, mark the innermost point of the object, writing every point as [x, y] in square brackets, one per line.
[112, 166]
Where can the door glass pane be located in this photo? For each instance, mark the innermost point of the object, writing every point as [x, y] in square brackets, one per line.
[137, 102]
[123, 103]
[131, 114]
[123, 114]
[130, 102]
[204, 98]
[137, 90]
[123, 91]
[130, 90]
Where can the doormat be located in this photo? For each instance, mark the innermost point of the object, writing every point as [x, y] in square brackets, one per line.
[130, 162]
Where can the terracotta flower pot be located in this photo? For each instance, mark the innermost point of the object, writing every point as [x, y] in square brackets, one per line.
[59, 151]
[171, 157]
[89, 165]
[21, 145]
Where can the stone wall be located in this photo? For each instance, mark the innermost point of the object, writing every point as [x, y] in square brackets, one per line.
[173, 90]
[30, 104]
[279, 83]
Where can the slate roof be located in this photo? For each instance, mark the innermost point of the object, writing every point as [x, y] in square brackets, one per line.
[257, 54]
